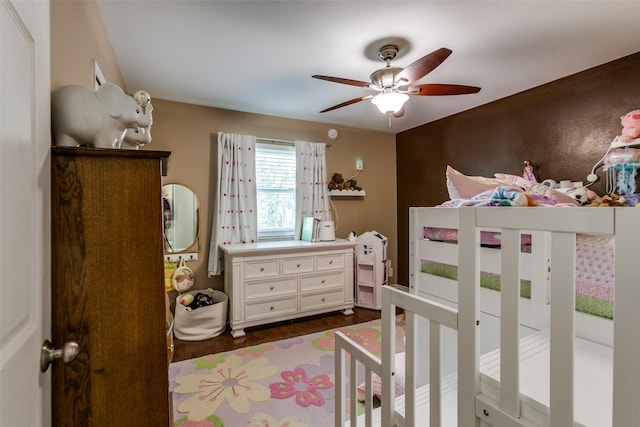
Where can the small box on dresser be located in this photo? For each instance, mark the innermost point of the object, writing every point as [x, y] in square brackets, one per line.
[274, 281]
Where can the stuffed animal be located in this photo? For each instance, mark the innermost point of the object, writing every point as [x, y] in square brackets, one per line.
[630, 126]
[351, 184]
[338, 183]
[584, 196]
[611, 200]
[186, 299]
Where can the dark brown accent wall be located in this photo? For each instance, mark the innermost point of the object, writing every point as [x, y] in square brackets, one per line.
[563, 127]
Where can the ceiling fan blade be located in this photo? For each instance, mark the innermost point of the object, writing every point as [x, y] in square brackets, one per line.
[343, 81]
[441, 89]
[423, 66]
[349, 102]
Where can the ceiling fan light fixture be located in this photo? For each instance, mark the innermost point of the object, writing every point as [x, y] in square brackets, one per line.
[395, 84]
[390, 102]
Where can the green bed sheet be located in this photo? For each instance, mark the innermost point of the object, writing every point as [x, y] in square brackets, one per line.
[491, 281]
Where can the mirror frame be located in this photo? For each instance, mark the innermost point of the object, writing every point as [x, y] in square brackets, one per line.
[195, 244]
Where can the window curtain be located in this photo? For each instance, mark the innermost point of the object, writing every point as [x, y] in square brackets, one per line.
[312, 193]
[234, 216]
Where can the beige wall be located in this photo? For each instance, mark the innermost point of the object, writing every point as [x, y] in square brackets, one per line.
[78, 37]
[189, 131]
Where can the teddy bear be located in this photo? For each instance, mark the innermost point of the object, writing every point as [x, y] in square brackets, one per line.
[351, 184]
[630, 126]
[338, 183]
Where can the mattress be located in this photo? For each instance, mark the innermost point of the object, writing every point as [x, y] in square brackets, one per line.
[487, 280]
[594, 269]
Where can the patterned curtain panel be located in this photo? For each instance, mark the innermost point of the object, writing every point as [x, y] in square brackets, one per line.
[234, 217]
[312, 193]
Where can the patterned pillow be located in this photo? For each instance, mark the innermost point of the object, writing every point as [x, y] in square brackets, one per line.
[515, 180]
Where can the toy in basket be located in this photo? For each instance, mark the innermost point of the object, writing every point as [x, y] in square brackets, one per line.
[199, 314]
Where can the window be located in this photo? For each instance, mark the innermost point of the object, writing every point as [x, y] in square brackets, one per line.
[276, 190]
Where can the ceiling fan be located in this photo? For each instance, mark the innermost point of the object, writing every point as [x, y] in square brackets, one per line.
[395, 84]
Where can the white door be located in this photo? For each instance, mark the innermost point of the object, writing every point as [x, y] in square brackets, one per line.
[25, 271]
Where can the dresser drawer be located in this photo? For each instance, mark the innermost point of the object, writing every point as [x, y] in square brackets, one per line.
[256, 269]
[271, 288]
[262, 309]
[322, 281]
[330, 262]
[322, 299]
[297, 265]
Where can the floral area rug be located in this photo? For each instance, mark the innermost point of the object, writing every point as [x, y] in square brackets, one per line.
[288, 383]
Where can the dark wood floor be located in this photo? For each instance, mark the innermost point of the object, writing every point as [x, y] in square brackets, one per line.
[272, 332]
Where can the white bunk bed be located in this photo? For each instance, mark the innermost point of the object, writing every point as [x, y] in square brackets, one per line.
[505, 360]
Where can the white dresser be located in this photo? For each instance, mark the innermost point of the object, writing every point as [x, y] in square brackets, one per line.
[275, 281]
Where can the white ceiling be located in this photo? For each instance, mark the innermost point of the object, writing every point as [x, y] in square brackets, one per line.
[258, 56]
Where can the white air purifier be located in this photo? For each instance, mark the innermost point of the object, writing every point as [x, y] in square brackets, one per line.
[326, 231]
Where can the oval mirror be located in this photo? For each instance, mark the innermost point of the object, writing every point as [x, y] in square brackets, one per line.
[180, 218]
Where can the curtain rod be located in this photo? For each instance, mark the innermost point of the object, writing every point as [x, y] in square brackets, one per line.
[280, 141]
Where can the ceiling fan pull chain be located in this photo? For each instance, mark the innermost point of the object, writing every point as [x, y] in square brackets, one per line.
[389, 120]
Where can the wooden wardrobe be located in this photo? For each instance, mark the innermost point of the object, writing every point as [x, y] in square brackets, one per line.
[108, 287]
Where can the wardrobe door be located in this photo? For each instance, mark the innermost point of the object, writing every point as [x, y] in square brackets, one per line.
[107, 288]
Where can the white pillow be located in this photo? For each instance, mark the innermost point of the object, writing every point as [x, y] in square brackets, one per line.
[461, 186]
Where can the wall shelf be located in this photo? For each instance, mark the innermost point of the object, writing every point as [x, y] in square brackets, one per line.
[347, 193]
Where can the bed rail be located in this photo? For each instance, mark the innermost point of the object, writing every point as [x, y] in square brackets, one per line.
[509, 406]
[534, 308]
[563, 225]
[415, 308]
[345, 345]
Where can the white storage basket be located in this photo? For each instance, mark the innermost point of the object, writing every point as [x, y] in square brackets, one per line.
[204, 322]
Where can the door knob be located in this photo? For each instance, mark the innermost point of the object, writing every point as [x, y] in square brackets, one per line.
[48, 353]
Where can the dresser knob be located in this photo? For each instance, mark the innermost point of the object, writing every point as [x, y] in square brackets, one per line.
[261, 268]
[271, 288]
[298, 265]
[272, 307]
[323, 299]
[322, 281]
[330, 262]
